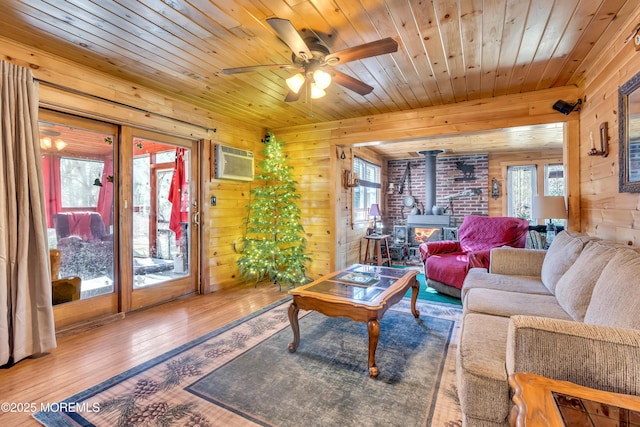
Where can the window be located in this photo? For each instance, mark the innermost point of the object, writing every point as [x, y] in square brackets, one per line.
[554, 180]
[554, 185]
[523, 182]
[77, 177]
[522, 187]
[368, 192]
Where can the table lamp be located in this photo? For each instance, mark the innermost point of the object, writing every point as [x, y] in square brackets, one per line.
[548, 207]
[374, 211]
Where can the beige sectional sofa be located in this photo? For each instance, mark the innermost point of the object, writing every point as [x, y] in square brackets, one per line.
[570, 313]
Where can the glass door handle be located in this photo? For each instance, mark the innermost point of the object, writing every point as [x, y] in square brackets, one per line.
[196, 218]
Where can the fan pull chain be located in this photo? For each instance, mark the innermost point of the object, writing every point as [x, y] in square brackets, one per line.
[309, 99]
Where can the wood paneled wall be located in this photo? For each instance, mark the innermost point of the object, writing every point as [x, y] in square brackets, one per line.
[71, 88]
[606, 212]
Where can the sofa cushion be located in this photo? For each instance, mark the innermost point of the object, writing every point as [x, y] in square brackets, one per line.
[507, 304]
[481, 372]
[480, 278]
[517, 262]
[562, 253]
[615, 300]
[574, 288]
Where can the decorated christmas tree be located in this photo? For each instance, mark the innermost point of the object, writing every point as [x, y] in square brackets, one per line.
[274, 243]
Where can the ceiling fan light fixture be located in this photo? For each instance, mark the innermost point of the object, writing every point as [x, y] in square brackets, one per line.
[322, 79]
[45, 143]
[60, 144]
[317, 92]
[295, 82]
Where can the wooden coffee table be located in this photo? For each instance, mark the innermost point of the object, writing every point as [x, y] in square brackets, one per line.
[362, 293]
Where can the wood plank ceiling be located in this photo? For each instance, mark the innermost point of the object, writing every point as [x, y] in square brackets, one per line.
[449, 51]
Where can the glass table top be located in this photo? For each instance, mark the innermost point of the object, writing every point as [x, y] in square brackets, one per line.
[360, 283]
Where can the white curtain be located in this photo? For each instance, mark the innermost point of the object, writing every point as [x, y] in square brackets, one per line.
[26, 313]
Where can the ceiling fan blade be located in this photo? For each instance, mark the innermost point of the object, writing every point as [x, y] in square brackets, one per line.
[379, 47]
[351, 83]
[253, 68]
[287, 32]
[292, 96]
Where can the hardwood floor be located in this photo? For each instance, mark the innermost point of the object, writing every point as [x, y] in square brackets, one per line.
[87, 358]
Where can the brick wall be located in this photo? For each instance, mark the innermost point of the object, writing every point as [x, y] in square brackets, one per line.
[448, 182]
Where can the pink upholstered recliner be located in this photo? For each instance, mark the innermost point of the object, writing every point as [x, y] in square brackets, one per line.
[447, 262]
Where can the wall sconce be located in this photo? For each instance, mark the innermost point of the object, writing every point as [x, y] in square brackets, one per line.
[495, 188]
[350, 180]
[565, 108]
[391, 187]
[604, 142]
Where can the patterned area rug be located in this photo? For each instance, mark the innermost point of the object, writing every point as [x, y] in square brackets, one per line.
[243, 375]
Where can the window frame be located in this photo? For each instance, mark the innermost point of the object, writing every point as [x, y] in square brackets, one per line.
[542, 166]
[532, 169]
[368, 188]
[94, 190]
[549, 190]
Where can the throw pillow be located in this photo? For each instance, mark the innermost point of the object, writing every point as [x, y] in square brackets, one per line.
[616, 296]
[562, 253]
[574, 288]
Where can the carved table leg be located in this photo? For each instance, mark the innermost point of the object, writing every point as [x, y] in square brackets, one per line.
[415, 288]
[293, 319]
[374, 332]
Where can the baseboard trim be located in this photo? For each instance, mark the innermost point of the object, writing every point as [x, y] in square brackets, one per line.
[88, 324]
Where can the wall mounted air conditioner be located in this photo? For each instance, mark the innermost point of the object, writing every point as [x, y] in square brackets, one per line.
[233, 163]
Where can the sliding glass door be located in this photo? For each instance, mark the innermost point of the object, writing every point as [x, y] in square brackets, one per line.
[160, 210]
[122, 216]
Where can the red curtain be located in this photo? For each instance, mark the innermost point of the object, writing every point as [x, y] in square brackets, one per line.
[51, 175]
[178, 195]
[105, 196]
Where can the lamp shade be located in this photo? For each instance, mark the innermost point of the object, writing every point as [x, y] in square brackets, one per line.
[316, 92]
[548, 207]
[322, 79]
[375, 210]
[295, 82]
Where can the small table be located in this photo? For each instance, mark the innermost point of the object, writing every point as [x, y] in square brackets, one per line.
[540, 401]
[377, 257]
[362, 293]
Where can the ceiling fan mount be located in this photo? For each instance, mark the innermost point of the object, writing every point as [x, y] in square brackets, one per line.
[309, 56]
[318, 51]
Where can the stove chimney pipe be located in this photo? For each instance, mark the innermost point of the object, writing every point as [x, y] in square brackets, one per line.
[430, 179]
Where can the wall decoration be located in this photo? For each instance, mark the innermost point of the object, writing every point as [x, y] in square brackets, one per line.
[468, 172]
[604, 142]
[629, 136]
[407, 174]
[349, 179]
[495, 188]
[446, 184]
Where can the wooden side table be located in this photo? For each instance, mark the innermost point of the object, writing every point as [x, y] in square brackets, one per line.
[540, 401]
[376, 257]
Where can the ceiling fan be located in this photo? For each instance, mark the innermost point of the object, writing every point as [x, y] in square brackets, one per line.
[310, 58]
